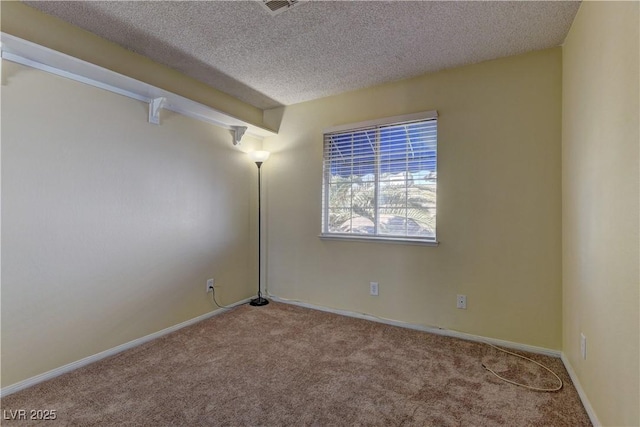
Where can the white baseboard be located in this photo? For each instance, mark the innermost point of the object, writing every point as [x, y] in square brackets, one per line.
[5, 391]
[583, 396]
[430, 329]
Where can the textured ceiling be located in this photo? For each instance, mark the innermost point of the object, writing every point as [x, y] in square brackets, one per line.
[318, 48]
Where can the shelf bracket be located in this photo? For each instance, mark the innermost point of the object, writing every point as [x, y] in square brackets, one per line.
[154, 109]
[238, 133]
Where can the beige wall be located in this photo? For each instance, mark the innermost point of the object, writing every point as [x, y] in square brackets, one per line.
[600, 207]
[499, 203]
[111, 225]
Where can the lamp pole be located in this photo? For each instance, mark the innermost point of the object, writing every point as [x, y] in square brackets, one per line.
[259, 157]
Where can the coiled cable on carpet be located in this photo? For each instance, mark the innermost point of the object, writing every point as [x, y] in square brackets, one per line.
[519, 384]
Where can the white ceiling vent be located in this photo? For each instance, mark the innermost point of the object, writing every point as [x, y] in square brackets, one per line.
[276, 7]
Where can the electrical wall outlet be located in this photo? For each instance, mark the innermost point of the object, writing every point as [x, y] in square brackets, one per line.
[583, 346]
[373, 288]
[210, 285]
[461, 302]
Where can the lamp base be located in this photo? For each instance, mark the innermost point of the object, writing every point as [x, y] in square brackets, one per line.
[259, 302]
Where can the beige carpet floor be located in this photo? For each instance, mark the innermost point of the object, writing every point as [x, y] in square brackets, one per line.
[283, 365]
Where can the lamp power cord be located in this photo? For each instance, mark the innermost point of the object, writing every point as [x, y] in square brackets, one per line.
[213, 296]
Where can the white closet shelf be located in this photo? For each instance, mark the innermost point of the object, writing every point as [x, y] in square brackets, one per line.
[42, 58]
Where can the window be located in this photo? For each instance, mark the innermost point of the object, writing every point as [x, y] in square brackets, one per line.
[380, 179]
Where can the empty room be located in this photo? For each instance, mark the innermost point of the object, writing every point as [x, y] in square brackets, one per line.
[305, 212]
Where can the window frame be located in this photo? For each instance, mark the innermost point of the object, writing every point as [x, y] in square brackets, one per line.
[326, 173]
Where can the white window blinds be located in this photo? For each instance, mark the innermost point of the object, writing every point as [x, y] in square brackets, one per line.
[380, 179]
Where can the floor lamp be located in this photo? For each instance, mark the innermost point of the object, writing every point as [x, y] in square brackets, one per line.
[259, 157]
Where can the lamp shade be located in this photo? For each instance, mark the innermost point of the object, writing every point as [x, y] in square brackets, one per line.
[259, 156]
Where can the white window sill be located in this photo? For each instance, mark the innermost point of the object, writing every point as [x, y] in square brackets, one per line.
[378, 239]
